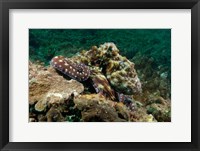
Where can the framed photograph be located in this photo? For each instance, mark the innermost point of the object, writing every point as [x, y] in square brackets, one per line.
[99, 75]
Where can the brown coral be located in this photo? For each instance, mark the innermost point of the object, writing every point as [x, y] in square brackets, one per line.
[95, 107]
[48, 87]
[159, 108]
[54, 115]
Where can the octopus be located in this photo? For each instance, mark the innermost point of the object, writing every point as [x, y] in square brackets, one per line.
[101, 85]
[111, 74]
[81, 72]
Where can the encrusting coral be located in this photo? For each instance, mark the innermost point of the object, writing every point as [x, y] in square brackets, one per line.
[48, 87]
[154, 79]
[96, 107]
[159, 108]
[54, 115]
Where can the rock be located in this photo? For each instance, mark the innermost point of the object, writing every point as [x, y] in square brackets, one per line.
[54, 115]
[41, 118]
[160, 109]
[48, 87]
[32, 120]
[122, 111]
[141, 116]
[95, 107]
[155, 79]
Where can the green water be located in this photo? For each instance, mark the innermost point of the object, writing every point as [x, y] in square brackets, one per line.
[46, 43]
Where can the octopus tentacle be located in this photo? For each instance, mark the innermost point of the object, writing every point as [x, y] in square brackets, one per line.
[101, 85]
[76, 71]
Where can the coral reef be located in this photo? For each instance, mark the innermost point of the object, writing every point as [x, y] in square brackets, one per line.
[155, 80]
[96, 107]
[47, 87]
[54, 115]
[141, 116]
[159, 108]
[65, 90]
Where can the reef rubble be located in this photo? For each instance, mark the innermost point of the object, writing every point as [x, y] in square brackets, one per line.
[95, 107]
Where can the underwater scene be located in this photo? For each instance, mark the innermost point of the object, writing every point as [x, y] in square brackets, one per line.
[99, 75]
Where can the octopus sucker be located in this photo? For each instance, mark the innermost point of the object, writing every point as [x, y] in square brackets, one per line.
[71, 69]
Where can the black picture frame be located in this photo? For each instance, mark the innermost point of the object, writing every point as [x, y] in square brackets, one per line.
[5, 5]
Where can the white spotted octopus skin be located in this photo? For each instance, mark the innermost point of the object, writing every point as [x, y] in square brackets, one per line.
[79, 72]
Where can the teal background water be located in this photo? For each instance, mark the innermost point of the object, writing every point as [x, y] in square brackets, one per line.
[155, 43]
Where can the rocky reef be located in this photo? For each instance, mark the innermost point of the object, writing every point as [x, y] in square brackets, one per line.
[155, 79]
[94, 85]
[95, 107]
